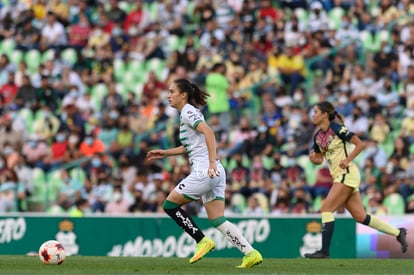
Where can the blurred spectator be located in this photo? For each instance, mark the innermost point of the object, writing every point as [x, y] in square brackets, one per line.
[137, 20]
[372, 150]
[101, 192]
[58, 148]
[11, 155]
[71, 119]
[253, 207]
[124, 141]
[153, 86]
[407, 127]
[379, 129]
[47, 125]
[323, 182]
[112, 101]
[53, 34]
[8, 190]
[358, 122]
[117, 203]
[241, 138]
[72, 152]
[91, 145]
[217, 86]
[292, 68]
[27, 37]
[79, 33]
[9, 89]
[26, 94]
[36, 150]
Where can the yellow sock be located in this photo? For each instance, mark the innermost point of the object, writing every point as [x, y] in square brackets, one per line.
[327, 217]
[383, 226]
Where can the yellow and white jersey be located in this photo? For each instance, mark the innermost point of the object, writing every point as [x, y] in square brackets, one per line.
[335, 146]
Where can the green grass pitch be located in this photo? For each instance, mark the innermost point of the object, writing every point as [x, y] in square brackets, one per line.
[11, 265]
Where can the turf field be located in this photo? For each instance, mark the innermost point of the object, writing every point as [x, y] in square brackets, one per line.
[212, 266]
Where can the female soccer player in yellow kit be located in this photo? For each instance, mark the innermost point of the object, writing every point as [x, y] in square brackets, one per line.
[333, 142]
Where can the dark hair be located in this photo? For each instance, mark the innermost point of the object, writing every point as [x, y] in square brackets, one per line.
[196, 96]
[328, 107]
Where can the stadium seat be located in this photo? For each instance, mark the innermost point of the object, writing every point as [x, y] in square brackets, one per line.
[16, 56]
[38, 196]
[137, 89]
[7, 46]
[122, 89]
[335, 17]
[98, 92]
[77, 173]
[119, 68]
[69, 56]
[156, 65]
[27, 115]
[302, 15]
[263, 201]
[126, 6]
[173, 43]
[238, 201]
[395, 204]
[54, 185]
[368, 42]
[136, 66]
[33, 59]
[48, 55]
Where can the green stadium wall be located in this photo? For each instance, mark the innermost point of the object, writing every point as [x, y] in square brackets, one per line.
[159, 236]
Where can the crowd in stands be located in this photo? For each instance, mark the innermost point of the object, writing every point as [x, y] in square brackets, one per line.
[83, 87]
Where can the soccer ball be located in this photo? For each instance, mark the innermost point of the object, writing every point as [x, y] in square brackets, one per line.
[52, 252]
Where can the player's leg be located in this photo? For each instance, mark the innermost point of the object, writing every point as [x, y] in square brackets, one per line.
[188, 190]
[355, 207]
[172, 206]
[338, 194]
[214, 204]
[215, 212]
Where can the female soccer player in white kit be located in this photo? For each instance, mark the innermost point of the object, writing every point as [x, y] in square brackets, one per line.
[207, 179]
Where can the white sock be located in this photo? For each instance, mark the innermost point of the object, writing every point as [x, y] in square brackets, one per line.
[234, 235]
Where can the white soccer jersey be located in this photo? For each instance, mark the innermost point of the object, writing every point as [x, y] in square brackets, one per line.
[193, 141]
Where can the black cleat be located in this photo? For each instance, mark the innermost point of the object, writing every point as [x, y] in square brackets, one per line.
[402, 239]
[317, 255]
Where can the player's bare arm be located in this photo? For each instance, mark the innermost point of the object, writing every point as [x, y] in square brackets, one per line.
[159, 153]
[315, 158]
[359, 146]
[211, 146]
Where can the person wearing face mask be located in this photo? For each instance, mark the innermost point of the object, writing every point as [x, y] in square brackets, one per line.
[117, 204]
[8, 133]
[9, 89]
[58, 149]
[36, 150]
[79, 33]
[358, 122]
[384, 60]
[91, 145]
[124, 142]
[11, 155]
[119, 40]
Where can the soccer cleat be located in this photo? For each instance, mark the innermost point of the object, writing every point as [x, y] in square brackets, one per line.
[402, 239]
[251, 259]
[202, 248]
[317, 255]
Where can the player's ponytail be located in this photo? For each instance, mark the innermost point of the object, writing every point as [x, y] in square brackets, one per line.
[327, 107]
[196, 96]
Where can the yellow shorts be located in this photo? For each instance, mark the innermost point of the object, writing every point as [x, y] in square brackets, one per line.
[351, 179]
